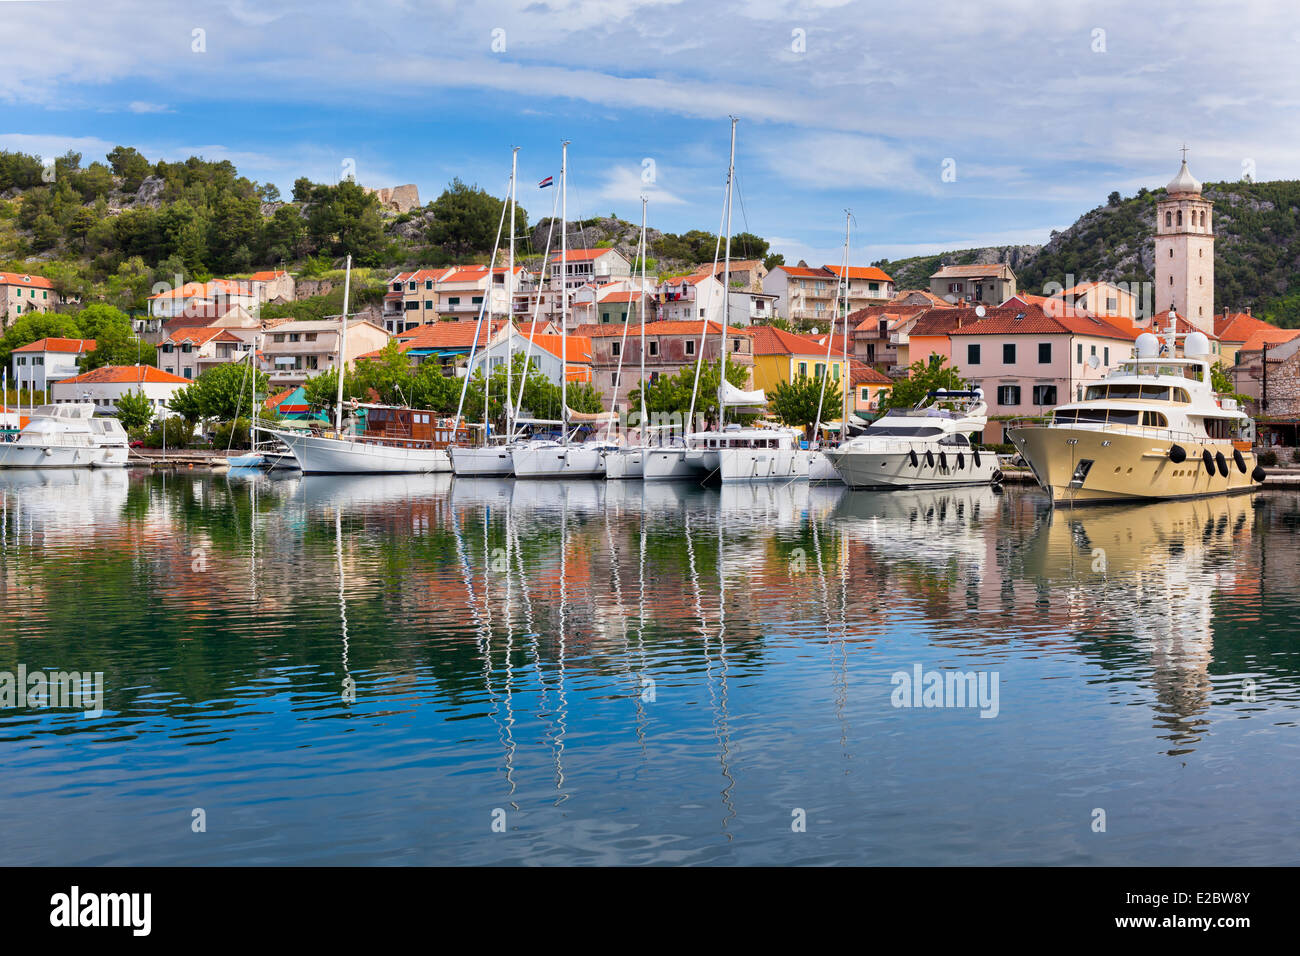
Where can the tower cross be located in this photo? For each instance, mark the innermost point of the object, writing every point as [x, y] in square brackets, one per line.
[1184, 149]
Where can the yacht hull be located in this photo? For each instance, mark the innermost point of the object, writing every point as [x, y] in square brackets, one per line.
[820, 469]
[339, 456]
[894, 469]
[558, 461]
[492, 461]
[626, 464]
[761, 464]
[1127, 467]
[672, 464]
[54, 456]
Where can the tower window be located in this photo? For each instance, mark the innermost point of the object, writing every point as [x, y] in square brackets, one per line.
[1202, 218]
[1169, 219]
[1171, 252]
[1180, 217]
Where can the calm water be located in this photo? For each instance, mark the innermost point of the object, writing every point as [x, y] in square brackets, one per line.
[374, 670]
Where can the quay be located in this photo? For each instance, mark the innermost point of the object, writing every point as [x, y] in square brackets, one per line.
[185, 458]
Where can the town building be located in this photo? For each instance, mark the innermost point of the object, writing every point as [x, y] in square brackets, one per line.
[865, 286]
[275, 286]
[697, 297]
[744, 275]
[989, 283]
[189, 352]
[191, 298]
[295, 351]
[449, 343]
[747, 307]
[412, 299]
[1104, 299]
[803, 294]
[583, 266]
[870, 388]
[44, 361]
[1275, 392]
[670, 346]
[780, 357]
[108, 383]
[544, 352]
[22, 293]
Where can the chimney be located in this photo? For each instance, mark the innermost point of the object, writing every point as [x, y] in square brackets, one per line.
[1248, 308]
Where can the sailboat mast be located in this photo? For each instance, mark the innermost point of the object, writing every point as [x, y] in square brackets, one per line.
[510, 298]
[641, 315]
[343, 346]
[564, 292]
[848, 364]
[726, 284]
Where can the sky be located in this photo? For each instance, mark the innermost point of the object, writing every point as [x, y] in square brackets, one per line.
[940, 125]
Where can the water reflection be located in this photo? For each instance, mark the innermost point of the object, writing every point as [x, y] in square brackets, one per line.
[676, 667]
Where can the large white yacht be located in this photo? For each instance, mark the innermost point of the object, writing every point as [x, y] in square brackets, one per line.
[67, 436]
[1153, 428]
[395, 440]
[920, 447]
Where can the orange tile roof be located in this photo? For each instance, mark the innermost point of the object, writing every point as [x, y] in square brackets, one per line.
[125, 375]
[581, 255]
[201, 335]
[577, 347]
[274, 400]
[1238, 326]
[1273, 336]
[695, 278]
[935, 300]
[268, 275]
[204, 290]
[861, 272]
[574, 373]
[16, 278]
[1034, 320]
[69, 346]
[448, 335]
[860, 374]
[804, 272]
[773, 341]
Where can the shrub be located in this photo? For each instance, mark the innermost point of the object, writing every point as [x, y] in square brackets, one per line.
[179, 434]
[221, 435]
[1268, 458]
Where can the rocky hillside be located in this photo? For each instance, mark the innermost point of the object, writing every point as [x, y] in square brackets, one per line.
[1257, 255]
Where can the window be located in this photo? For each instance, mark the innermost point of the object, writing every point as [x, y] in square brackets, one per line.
[187, 372]
[1044, 353]
[1202, 218]
[22, 360]
[690, 346]
[701, 313]
[476, 300]
[453, 300]
[1009, 353]
[1008, 394]
[411, 286]
[429, 304]
[604, 317]
[397, 287]
[654, 348]
[803, 369]
[1044, 394]
[617, 348]
[972, 354]
[818, 370]
[835, 373]
[735, 345]
[1169, 219]
[1180, 217]
[293, 337]
[428, 284]
[1155, 420]
[1092, 350]
[1105, 356]
[1112, 304]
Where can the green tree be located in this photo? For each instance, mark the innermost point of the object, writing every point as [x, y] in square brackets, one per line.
[130, 165]
[225, 392]
[672, 393]
[116, 344]
[103, 321]
[923, 378]
[35, 326]
[796, 402]
[345, 220]
[321, 391]
[134, 410]
[465, 220]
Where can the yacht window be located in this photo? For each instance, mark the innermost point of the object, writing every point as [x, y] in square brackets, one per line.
[903, 431]
[959, 440]
[1155, 420]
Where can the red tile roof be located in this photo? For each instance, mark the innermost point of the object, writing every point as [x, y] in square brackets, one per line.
[1033, 320]
[20, 279]
[1273, 336]
[1238, 326]
[201, 335]
[804, 272]
[269, 275]
[861, 272]
[448, 335]
[860, 374]
[581, 255]
[773, 341]
[125, 375]
[205, 290]
[69, 346]
[695, 278]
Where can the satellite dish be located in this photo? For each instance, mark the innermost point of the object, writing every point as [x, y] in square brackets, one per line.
[980, 311]
[1196, 344]
[1148, 346]
[814, 331]
[1094, 362]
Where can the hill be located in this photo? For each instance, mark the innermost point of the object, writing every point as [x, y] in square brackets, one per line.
[1257, 249]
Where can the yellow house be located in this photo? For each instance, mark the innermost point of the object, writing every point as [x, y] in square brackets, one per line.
[781, 356]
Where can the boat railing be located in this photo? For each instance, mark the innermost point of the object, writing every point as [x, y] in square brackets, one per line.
[1113, 428]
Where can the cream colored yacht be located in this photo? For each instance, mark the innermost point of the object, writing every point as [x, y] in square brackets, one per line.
[1153, 428]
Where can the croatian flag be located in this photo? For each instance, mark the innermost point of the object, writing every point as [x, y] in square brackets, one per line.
[548, 181]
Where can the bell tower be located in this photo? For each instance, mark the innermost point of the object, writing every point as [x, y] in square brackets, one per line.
[1185, 251]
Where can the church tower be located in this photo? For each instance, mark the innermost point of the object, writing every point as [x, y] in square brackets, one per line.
[1185, 252]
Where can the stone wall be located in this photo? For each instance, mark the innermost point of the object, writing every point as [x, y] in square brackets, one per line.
[397, 199]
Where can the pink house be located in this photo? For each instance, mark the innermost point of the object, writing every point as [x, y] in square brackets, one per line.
[1028, 361]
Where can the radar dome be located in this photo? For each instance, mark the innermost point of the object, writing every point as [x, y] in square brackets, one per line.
[1148, 346]
[1196, 344]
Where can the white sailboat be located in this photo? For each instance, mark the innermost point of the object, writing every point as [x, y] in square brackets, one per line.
[546, 458]
[820, 468]
[628, 462]
[396, 439]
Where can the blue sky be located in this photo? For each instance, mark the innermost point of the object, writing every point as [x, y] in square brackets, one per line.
[1043, 108]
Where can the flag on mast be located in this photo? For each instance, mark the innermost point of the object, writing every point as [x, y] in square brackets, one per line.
[548, 181]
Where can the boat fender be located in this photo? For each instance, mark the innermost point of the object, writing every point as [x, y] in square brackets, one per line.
[912, 455]
[1208, 459]
[1239, 460]
[1177, 454]
[976, 454]
[1258, 474]
[943, 460]
[1222, 463]
[997, 476]
[961, 461]
[929, 458]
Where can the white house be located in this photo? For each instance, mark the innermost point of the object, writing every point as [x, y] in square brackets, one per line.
[105, 385]
[691, 298]
[544, 353]
[191, 352]
[196, 298]
[38, 363]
